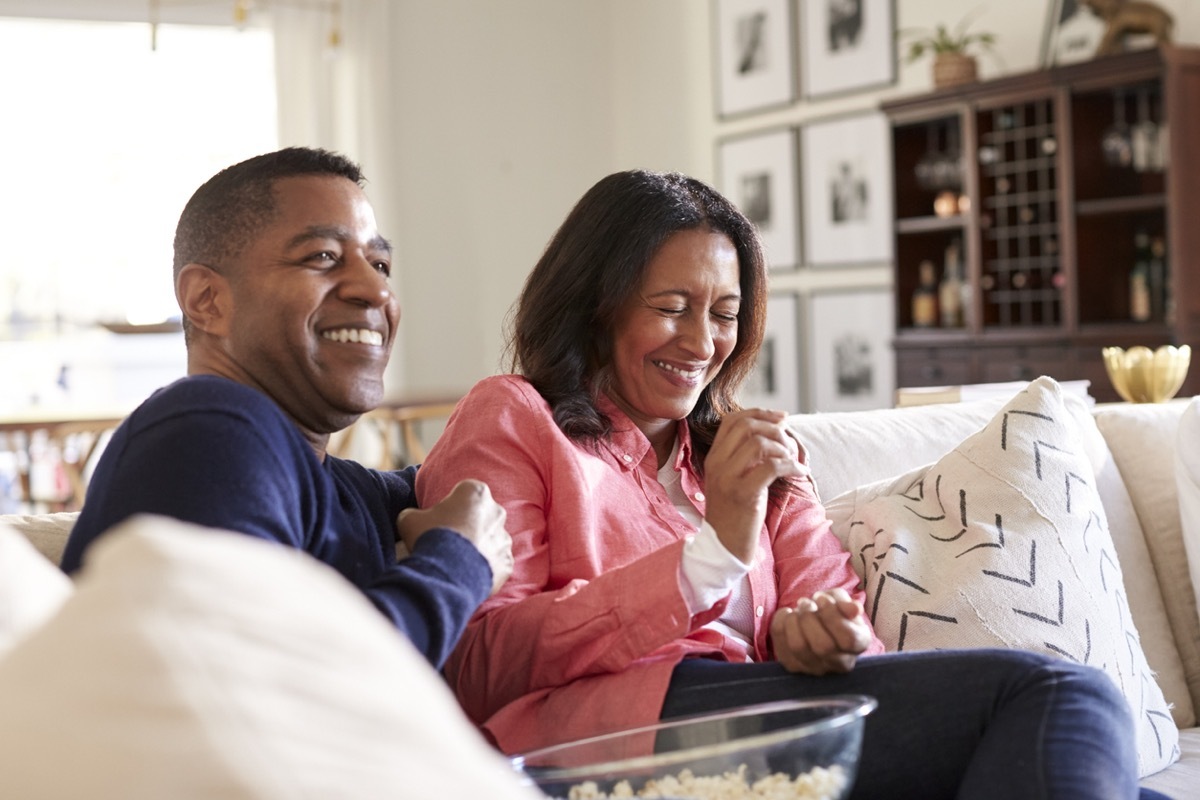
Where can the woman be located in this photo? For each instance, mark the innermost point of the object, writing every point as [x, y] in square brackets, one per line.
[671, 554]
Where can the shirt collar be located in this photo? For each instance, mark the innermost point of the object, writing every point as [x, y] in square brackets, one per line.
[629, 445]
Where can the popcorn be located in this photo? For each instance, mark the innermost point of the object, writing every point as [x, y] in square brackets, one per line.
[818, 783]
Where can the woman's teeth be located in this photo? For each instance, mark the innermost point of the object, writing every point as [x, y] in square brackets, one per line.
[669, 368]
[362, 336]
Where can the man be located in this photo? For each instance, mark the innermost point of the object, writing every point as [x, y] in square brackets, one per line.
[282, 278]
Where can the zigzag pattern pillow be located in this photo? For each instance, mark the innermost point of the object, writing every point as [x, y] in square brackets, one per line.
[1004, 543]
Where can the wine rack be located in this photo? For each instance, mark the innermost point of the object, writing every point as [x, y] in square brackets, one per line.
[1049, 180]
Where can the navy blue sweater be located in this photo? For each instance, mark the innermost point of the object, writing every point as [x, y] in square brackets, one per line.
[213, 452]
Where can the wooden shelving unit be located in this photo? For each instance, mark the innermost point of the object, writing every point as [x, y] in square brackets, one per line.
[1045, 179]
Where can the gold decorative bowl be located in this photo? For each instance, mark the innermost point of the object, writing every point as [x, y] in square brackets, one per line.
[1142, 375]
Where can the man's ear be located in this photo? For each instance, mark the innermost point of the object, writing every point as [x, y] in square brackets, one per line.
[205, 299]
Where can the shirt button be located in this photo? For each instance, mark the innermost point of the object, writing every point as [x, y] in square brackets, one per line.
[627, 458]
[699, 497]
[758, 612]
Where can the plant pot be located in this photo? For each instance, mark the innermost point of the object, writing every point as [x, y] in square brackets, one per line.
[953, 69]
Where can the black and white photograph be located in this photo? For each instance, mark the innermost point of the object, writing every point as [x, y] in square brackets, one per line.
[758, 172]
[847, 45]
[847, 190]
[775, 381]
[1073, 30]
[850, 350]
[755, 54]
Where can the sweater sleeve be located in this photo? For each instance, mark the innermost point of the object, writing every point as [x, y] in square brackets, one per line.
[543, 630]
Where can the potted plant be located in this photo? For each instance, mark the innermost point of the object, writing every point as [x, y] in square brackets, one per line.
[952, 64]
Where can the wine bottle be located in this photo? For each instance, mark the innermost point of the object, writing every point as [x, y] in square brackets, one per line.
[1159, 289]
[1139, 279]
[950, 289]
[924, 297]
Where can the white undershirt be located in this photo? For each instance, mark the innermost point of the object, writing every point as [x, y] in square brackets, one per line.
[708, 570]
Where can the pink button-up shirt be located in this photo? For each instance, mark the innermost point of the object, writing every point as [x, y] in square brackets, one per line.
[584, 636]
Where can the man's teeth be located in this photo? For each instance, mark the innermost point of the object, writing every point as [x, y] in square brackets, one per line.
[362, 336]
[669, 368]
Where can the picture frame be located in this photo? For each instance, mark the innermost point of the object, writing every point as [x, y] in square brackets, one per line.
[755, 55]
[775, 380]
[846, 46]
[1072, 33]
[846, 168]
[852, 363]
[759, 173]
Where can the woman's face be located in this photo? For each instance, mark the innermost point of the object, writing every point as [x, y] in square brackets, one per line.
[674, 333]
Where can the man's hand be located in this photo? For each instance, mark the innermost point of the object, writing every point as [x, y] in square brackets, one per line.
[470, 510]
[820, 635]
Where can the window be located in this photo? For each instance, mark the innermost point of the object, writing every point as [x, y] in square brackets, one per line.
[106, 139]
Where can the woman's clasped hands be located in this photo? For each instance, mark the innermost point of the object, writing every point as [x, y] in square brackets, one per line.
[820, 634]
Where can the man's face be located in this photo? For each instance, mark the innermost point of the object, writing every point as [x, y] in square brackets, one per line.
[313, 318]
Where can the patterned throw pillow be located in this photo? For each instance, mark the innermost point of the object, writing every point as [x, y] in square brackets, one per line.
[1004, 543]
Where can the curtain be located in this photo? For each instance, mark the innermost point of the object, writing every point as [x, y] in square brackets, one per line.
[338, 97]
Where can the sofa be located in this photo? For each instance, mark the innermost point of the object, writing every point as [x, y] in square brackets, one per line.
[867, 465]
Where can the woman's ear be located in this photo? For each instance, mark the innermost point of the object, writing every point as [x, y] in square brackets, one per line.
[205, 299]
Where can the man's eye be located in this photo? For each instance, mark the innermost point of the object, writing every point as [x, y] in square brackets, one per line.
[672, 311]
[323, 258]
[384, 268]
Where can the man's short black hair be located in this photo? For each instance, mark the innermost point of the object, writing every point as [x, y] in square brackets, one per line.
[225, 214]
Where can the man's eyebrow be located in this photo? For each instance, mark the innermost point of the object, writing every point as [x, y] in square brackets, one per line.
[337, 232]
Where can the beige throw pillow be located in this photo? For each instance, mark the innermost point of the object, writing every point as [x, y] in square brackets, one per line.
[1003, 542]
[1187, 479]
[31, 588]
[193, 663]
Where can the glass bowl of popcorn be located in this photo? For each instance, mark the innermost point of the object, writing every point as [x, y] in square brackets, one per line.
[788, 750]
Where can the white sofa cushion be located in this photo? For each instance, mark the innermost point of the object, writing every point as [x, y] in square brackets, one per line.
[1142, 438]
[31, 588]
[192, 663]
[47, 532]
[1004, 542]
[1187, 481]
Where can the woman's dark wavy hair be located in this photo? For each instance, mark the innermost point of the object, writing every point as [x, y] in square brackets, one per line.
[561, 331]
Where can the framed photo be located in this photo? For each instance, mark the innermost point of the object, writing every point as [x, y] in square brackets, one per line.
[759, 174]
[852, 365]
[847, 45]
[847, 190]
[755, 55]
[1072, 33]
[775, 382]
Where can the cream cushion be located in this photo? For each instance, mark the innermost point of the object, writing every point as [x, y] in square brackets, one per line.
[1187, 480]
[1142, 438]
[193, 663]
[31, 588]
[1004, 542]
[47, 532]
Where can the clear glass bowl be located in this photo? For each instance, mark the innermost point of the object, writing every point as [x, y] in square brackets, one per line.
[815, 744]
[1142, 375]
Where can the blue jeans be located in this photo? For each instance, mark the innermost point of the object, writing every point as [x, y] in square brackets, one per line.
[964, 724]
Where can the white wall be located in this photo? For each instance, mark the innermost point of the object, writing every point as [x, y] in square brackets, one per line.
[503, 117]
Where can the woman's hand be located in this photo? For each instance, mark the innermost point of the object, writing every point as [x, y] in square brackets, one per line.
[822, 634]
[750, 451]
